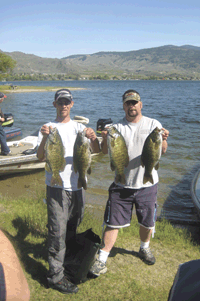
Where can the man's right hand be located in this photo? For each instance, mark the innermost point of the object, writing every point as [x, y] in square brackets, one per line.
[45, 130]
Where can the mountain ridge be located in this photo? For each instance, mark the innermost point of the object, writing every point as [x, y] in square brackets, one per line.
[166, 60]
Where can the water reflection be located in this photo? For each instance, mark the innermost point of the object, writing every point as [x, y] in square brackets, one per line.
[178, 206]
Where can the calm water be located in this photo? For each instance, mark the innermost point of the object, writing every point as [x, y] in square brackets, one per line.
[175, 104]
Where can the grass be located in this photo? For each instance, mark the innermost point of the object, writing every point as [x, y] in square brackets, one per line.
[128, 278]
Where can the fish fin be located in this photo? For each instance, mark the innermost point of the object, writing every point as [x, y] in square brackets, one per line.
[56, 180]
[156, 166]
[120, 179]
[142, 163]
[89, 170]
[82, 183]
[47, 167]
[112, 166]
[147, 178]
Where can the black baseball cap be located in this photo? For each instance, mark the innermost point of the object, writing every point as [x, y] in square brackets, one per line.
[63, 93]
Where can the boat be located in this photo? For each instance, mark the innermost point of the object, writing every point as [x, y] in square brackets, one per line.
[23, 157]
[11, 132]
[81, 119]
[195, 191]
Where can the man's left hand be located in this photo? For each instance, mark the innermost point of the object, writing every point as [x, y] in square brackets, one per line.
[165, 134]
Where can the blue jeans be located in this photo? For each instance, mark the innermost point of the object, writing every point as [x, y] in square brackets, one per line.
[4, 148]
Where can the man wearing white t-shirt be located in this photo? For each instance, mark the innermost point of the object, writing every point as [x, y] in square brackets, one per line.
[65, 205]
[135, 128]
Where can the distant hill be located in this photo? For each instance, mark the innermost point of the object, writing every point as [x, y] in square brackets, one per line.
[166, 60]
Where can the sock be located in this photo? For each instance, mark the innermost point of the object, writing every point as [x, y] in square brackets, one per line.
[144, 245]
[103, 256]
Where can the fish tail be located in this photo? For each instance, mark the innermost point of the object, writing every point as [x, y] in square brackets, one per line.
[56, 180]
[82, 183]
[147, 178]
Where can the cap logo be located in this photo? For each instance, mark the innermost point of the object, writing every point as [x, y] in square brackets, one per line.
[131, 96]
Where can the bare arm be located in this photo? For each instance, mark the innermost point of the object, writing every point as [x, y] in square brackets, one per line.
[15, 281]
[90, 134]
[104, 145]
[164, 142]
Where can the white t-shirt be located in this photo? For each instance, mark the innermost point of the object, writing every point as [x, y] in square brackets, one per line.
[135, 135]
[68, 132]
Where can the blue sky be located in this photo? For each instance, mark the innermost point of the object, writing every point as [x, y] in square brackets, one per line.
[57, 29]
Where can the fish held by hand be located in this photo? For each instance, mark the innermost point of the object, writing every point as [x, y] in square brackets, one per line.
[118, 154]
[151, 154]
[82, 158]
[55, 160]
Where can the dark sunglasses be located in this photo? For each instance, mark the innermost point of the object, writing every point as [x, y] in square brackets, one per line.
[63, 102]
[131, 102]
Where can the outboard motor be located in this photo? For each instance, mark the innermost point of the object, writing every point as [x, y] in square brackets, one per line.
[102, 124]
[9, 120]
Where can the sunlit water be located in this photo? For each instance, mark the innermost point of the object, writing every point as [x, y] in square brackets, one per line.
[175, 104]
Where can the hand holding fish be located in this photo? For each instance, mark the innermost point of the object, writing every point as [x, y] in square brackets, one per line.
[90, 134]
[104, 134]
[165, 135]
[45, 130]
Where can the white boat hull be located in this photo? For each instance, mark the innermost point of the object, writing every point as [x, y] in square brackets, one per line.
[19, 162]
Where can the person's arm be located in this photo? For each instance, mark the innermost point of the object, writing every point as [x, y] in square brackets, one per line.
[2, 119]
[90, 134]
[15, 282]
[41, 149]
[164, 140]
[104, 145]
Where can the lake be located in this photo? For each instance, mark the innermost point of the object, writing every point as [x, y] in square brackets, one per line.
[175, 104]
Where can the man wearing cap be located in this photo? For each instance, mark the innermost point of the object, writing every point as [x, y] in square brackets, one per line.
[135, 128]
[65, 205]
[4, 147]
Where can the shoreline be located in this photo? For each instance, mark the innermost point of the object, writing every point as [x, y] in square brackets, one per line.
[36, 89]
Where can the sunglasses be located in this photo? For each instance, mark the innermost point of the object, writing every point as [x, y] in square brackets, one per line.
[63, 102]
[131, 102]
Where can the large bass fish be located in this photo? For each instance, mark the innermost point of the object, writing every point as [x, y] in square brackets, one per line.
[151, 154]
[118, 154]
[82, 158]
[55, 161]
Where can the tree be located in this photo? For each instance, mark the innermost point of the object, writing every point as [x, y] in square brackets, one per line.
[7, 64]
